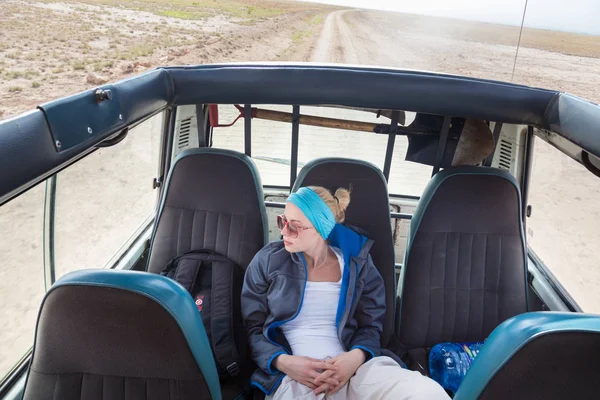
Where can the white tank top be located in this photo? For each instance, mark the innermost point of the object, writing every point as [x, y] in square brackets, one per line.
[313, 332]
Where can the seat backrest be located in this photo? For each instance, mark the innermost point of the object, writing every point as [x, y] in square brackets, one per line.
[120, 334]
[213, 200]
[541, 355]
[369, 210]
[465, 265]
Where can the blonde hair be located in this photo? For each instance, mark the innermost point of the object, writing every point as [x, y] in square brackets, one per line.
[337, 203]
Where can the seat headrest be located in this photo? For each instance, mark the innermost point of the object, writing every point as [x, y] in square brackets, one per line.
[549, 355]
[213, 199]
[369, 194]
[469, 199]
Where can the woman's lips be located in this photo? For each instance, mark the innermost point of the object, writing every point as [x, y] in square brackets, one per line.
[285, 242]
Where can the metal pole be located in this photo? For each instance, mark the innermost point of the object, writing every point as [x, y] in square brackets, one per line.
[248, 130]
[441, 149]
[519, 42]
[295, 134]
[49, 213]
[390, 145]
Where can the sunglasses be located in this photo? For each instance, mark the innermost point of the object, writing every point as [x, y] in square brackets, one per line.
[293, 229]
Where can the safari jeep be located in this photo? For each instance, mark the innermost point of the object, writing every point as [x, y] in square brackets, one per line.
[118, 180]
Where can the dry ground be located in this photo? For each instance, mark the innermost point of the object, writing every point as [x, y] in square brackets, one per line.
[50, 49]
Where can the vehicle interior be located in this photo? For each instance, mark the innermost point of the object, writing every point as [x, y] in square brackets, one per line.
[439, 167]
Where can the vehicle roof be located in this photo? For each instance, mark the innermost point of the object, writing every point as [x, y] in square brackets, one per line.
[28, 142]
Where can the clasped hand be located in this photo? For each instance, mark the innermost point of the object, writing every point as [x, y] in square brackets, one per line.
[321, 376]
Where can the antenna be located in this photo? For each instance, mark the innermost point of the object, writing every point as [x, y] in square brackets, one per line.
[512, 78]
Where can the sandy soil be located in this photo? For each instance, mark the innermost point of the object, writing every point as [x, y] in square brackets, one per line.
[99, 42]
[103, 199]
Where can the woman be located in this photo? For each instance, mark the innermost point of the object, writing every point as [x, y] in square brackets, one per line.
[314, 305]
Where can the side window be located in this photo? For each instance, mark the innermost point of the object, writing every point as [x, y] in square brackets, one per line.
[21, 274]
[229, 137]
[271, 142]
[103, 200]
[563, 227]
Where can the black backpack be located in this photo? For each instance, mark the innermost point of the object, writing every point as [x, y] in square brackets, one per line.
[215, 283]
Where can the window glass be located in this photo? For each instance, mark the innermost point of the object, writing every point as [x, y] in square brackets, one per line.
[22, 274]
[103, 199]
[271, 142]
[229, 137]
[563, 228]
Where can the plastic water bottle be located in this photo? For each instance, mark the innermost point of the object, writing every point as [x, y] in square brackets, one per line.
[449, 363]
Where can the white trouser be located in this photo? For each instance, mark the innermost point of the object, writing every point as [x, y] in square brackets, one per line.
[379, 378]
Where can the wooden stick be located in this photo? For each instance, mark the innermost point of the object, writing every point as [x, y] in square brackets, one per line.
[311, 120]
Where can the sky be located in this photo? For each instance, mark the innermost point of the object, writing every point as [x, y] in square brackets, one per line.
[581, 16]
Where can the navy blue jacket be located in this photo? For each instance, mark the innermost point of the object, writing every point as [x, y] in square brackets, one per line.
[273, 294]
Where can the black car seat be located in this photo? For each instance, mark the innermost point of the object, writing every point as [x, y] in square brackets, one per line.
[106, 334]
[213, 200]
[465, 268]
[369, 210]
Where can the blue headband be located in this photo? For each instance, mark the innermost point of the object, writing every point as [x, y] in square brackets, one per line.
[315, 209]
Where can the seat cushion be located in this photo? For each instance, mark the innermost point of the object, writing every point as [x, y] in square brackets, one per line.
[465, 267]
[96, 334]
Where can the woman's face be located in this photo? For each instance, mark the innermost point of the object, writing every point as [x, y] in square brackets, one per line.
[307, 236]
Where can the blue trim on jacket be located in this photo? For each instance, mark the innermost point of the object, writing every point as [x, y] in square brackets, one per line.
[273, 389]
[351, 243]
[364, 349]
[270, 362]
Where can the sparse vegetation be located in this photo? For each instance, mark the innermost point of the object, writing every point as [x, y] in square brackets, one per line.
[101, 65]
[141, 50]
[30, 74]
[13, 75]
[184, 14]
[79, 66]
[317, 19]
[298, 37]
[200, 9]
[35, 54]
